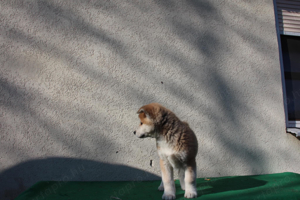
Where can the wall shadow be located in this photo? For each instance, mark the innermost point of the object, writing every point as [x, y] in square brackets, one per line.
[17, 179]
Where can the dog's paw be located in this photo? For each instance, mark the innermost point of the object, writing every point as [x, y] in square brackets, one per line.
[161, 187]
[190, 194]
[168, 196]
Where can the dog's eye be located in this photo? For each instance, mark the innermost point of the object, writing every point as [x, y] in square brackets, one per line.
[141, 123]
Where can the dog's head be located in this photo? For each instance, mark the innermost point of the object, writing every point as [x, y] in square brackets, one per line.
[148, 115]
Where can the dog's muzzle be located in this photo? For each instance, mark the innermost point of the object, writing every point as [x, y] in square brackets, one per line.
[139, 136]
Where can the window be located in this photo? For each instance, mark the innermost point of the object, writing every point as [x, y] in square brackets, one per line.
[288, 25]
[290, 48]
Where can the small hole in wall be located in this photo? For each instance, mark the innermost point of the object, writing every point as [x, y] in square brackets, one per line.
[151, 163]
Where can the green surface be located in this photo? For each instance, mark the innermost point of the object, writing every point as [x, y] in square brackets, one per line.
[261, 187]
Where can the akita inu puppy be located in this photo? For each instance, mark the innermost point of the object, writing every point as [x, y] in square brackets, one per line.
[177, 148]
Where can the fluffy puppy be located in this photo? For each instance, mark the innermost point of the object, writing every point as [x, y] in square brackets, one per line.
[177, 148]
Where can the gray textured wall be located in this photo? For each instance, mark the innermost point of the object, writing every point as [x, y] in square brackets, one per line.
[74, 73]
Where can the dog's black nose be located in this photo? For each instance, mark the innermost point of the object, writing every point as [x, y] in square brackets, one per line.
[134, 132]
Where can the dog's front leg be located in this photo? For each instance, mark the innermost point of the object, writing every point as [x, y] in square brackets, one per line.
[167, 179]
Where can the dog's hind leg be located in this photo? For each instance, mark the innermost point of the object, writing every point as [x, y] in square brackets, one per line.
[181, 178]
[190, 180]
[161, 186]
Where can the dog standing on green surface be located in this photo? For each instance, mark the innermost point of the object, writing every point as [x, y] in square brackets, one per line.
[177, 148]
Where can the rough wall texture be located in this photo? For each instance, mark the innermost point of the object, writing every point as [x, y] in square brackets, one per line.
[74, 73]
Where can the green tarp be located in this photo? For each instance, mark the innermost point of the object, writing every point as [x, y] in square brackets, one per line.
[261, 187]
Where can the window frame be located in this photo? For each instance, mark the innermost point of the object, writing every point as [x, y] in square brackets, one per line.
[291, 126]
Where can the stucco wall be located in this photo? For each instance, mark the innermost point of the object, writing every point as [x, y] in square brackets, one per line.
[74, 73]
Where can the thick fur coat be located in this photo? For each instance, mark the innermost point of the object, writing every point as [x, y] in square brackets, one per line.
[176, 144]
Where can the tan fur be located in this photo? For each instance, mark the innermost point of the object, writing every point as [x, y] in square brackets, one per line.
[176, 144]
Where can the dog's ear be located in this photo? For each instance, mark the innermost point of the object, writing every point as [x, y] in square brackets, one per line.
[143, 113]
[141, 110]
[148, 111]
[152, 111]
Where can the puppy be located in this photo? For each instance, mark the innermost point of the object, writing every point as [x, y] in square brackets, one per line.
[177, 148]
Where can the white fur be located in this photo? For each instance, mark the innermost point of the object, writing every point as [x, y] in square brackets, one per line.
[164, 148]
[145, 130]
